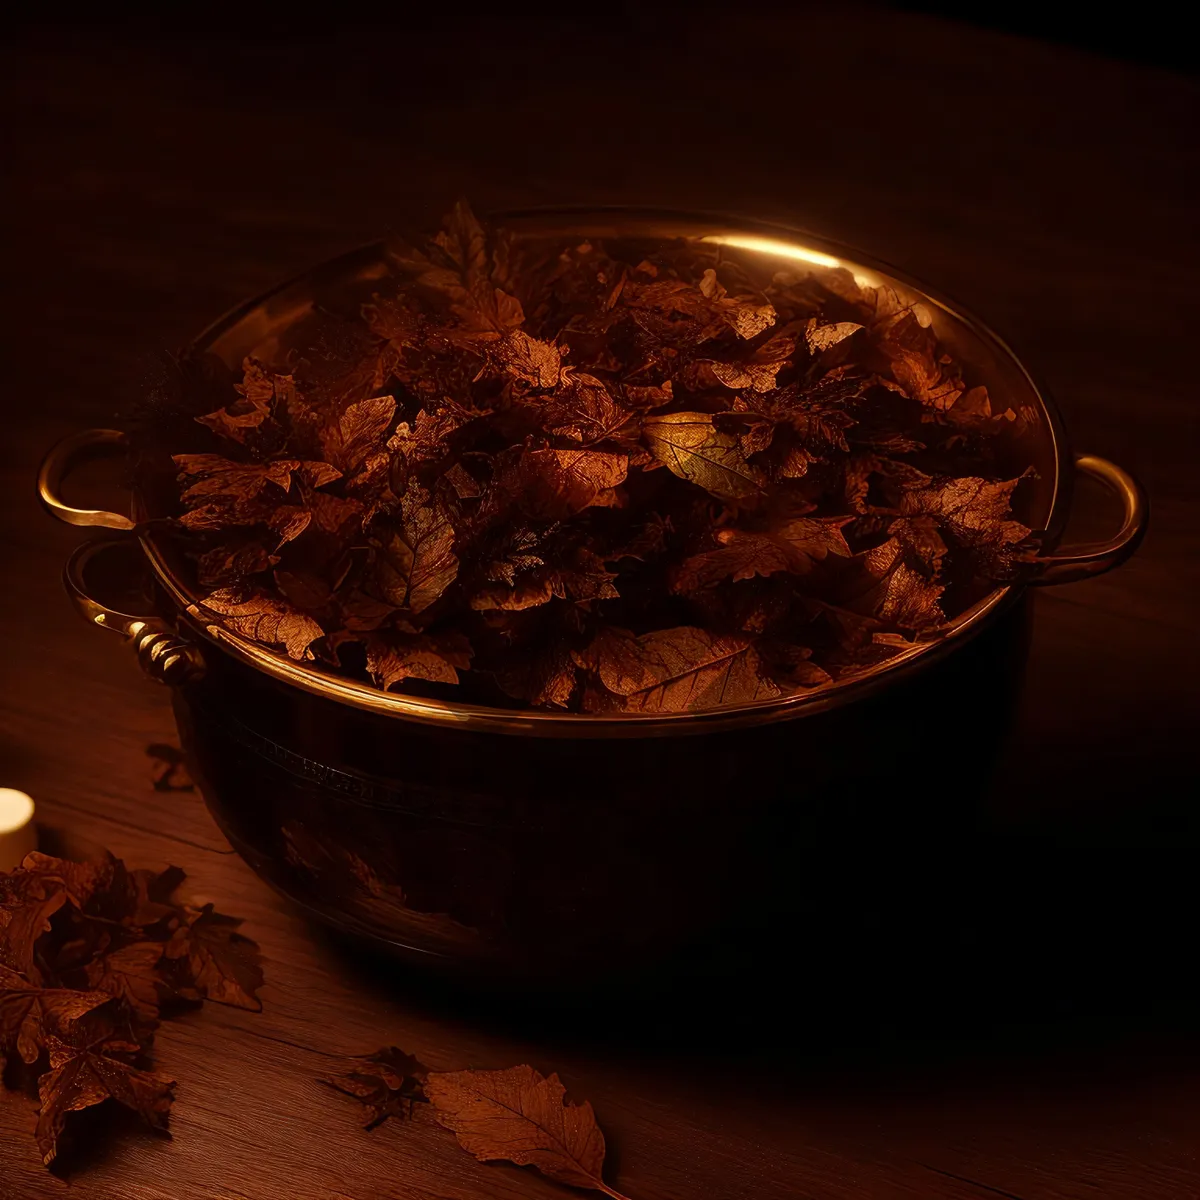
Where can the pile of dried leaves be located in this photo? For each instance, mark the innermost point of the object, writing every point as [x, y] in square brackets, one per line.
[597, 476]
[517, 1115]
[90, 952]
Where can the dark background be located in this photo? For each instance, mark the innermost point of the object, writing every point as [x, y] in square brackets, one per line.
[1042, 171]
[1131, 34]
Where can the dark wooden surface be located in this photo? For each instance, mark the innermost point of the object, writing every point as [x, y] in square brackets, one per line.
[155, 180]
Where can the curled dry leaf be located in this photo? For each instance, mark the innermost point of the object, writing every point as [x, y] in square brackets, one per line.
[676, 670]
[690, 446]
[523, 1117]
[730, 447]
[393, 658]
[93, 1062]
[560, 483]
[265, 618]
[170, 773]
[416, 560]
[99, 947]
[360, 433]
[212, 961]
[388, 1083]
[30, 1014]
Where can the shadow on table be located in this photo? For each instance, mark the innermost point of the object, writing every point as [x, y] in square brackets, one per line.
[949, 931]
[992, 946]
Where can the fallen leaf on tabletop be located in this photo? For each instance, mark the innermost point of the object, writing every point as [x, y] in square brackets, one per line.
[30, 1014]
[387, 1083]
[92, 1063]
[215, 962]
[522, 1117]
[169, 773]
[133, 974]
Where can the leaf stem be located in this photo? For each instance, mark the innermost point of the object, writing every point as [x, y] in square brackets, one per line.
[603, 1187]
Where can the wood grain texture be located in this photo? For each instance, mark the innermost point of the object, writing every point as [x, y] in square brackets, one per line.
[155, 181]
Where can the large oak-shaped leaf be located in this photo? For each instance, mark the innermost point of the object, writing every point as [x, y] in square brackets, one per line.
[675, 670]
[690, 446]
[265, 618]
[132, 974]
[974, 510]
[211, 961]
[416, 562]
[92, 1063]
[522, 1117]
[30, 1014]
[459, 268]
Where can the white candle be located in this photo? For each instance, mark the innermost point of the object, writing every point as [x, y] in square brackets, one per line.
[17, 833]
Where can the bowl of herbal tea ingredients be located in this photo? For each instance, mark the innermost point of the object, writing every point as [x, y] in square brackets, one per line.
[536, 594]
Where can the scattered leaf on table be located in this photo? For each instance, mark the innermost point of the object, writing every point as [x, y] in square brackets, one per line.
[92, 1063]
[91, 955]
[214, 962]
[30, 1014]
[169, 773]
[522, 1117]
[387, 1083]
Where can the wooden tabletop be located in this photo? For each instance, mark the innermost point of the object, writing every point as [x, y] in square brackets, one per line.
[157, 178]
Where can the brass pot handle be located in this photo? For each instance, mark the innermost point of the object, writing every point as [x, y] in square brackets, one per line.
[165, 656]
[1094, 558]
[59, 462]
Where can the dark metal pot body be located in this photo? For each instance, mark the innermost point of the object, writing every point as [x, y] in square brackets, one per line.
[576, 857]
[534, 843]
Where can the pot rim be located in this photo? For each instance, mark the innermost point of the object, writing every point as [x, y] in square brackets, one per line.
[541, 722]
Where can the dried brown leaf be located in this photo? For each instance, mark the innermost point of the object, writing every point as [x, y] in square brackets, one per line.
[91, 1063]
[131, 974]
[387, 1083]
[415, 562]
[358, 434]
[528, 359]
[677, 670]
[559, 483]
[522, 1117]
[264, 618]
[974, 510]
[690, 446]
[392, 658]
[212, 961]
[29, 1014]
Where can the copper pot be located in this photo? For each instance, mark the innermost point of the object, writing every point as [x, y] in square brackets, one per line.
[529, 840]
